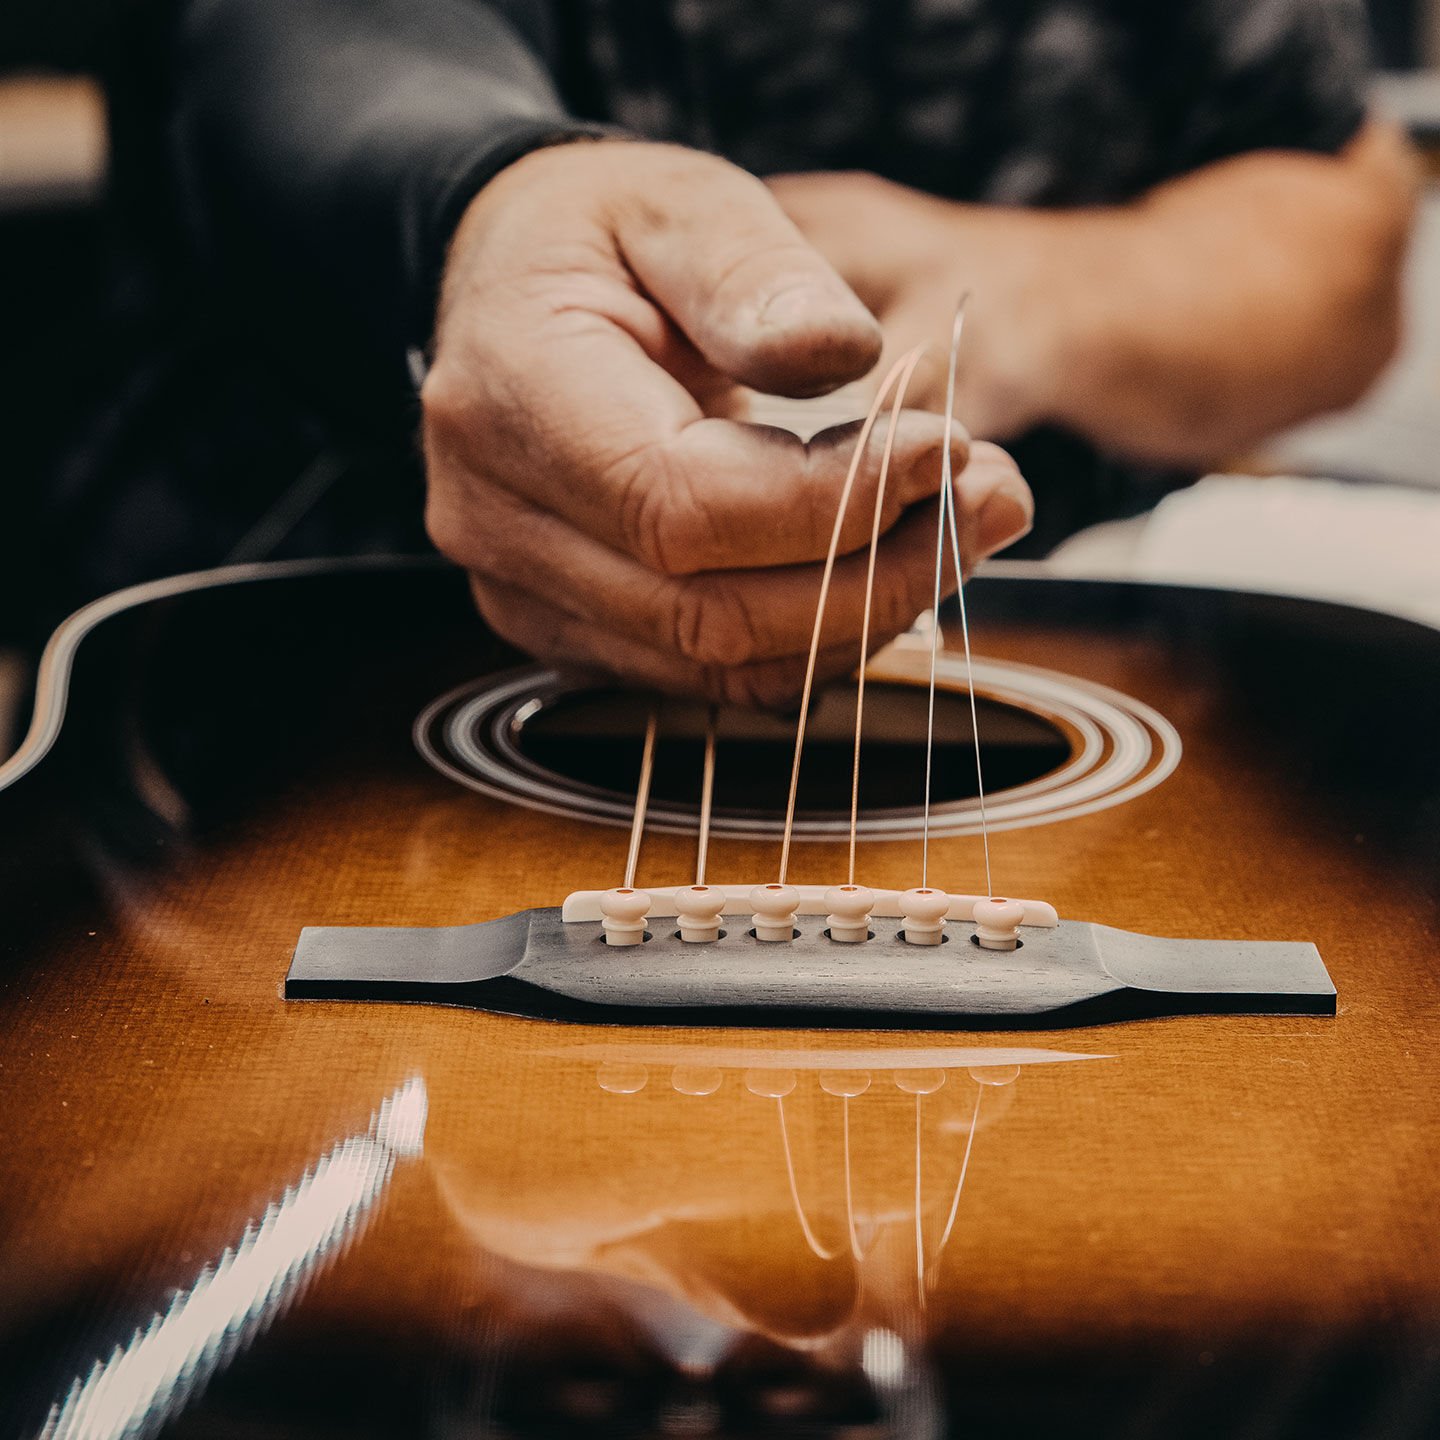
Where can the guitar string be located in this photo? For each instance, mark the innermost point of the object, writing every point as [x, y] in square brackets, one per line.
[960, 1183]
[902, 385]
[925, 1274]
[946, 500]
[855, 461]
[642, 797]
[919, 1207]
[850, 1184]
[970, 688]
[707, 795]
[949, 498]
[823, 1252]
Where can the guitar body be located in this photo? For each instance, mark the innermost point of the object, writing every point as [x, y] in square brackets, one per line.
[360, 1217]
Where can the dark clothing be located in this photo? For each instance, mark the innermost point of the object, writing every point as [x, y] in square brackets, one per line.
[290, 172]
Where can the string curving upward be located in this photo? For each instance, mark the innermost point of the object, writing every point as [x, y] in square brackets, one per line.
[965, 637]
[929, 1272]
[823, 1252]
[880, 486]
[947, 522]
[946, 500]
[808, 688]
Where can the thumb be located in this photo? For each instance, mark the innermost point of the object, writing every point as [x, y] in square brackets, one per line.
[711, 245]
[994, 505]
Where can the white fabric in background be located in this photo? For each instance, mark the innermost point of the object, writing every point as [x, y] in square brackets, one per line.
[1372, 545]
[1393, 434]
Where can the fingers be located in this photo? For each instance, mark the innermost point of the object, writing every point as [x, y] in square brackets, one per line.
[736, 618]
[994, 505]
[557, 378]
[756, 299]
[571, 642]
[724, 618]
[578, 462]
[700, 494]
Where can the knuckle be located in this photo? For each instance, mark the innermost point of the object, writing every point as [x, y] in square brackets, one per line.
[712, 625]
[643, 213]
[659, 515]
[540, 635]
[662, 178]
[447, 534]
[738, 687]
[458, 522]
[629, 478]
[463, 527]
[756, 687]
[451, 416]
[899, 597]
[506, 620]
[445, 399]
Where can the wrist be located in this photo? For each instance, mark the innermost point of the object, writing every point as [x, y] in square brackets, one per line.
[1085, 317]
[1033, 319]
[1071, 310]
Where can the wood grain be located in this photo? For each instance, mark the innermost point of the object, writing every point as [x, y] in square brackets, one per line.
[1213, 1175]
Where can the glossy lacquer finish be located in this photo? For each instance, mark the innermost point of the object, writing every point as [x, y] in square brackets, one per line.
[229, 1214]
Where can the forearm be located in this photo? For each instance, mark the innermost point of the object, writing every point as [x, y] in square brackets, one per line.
[1227, 304]
[325, 149]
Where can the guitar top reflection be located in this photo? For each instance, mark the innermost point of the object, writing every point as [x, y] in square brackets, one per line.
[749, 1251]
[224, 1213]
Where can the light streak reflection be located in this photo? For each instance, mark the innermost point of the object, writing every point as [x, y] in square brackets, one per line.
[166, 1362]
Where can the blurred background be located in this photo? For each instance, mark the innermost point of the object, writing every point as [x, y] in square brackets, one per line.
[1363, 524]
[1372, 474]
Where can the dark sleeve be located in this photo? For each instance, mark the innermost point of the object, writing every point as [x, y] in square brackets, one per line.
[326, 149]
[1267, 74]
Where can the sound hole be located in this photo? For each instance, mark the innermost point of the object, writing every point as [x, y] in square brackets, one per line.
[593, 737]
[1053, 747]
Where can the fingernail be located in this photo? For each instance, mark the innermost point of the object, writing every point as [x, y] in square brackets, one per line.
[1005, 516]
[808, 304]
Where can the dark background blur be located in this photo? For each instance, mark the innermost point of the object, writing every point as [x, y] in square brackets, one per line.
[60, 307]
[54, 241]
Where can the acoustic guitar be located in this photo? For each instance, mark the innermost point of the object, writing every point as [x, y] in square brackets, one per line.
[239, 1200]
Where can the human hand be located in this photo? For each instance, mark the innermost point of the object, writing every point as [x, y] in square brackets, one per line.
[602, 304]
[910, 256]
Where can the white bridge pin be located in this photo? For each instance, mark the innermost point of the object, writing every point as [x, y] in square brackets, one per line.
[774, 907]
[622, 915]
[850, 905]
[997, 923]
[697, 910]
[923, 911]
